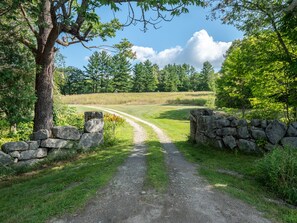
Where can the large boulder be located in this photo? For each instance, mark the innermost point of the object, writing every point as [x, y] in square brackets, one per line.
[14, 146]
[41, 134]
[5, 159]
[94, 125]
[33, 154]
[66, 132]
[89, 140]
[57, 144]
[230, 142]
[290, 141]
[243, 132]
[258, 134]
[292, 132]
[275, 131]
[247, 146]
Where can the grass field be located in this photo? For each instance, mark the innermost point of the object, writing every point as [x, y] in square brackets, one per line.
[230, 172]
[196, 98]
[63, 188]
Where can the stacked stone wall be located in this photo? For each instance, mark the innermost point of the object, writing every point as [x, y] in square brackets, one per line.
[227, 132]
[58, 140]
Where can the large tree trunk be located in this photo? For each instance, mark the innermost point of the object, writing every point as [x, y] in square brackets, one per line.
[48, 34]
[43, 118]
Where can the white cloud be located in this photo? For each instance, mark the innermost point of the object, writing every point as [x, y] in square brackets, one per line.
[86, 58]
[199, 48]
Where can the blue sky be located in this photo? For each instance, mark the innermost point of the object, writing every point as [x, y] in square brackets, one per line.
[189, 38]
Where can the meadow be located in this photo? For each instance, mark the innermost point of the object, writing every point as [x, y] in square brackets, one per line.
[194, 98]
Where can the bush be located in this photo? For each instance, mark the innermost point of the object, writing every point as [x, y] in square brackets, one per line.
[197, 102]
[111, 122]
[278, 171]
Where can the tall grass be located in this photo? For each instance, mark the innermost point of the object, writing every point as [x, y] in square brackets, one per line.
[138, 98]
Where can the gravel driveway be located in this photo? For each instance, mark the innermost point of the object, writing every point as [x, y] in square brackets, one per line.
[188, 199]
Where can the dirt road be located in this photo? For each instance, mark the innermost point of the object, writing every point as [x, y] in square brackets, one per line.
[188, 199]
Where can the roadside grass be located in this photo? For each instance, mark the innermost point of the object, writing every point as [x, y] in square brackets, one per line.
[64, 188]
[140, 98]
[229, 171]
[156, 175]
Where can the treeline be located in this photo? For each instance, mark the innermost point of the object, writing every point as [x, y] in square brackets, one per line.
[257, 74]
[114, 73]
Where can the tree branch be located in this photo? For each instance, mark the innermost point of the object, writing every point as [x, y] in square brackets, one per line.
[28, 21]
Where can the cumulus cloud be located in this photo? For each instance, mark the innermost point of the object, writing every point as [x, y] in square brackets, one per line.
[199, 48]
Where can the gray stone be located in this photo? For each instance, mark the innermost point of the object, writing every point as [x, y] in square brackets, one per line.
[93, 114]
[256, 122]
[230, 142]
[200, 138]
[263, 124]
[28, 162]
[57, 143]
[210, 134]
[201, 112]
[33, 145]
[231, 118]
[41, 134]
[290, 141]
[223, 122]
[66, 132]
[258, 134]
[292, 132]
[243, 132]
[226, 131]
[89, 140]
[5, 159]
[247, 146]
[33, 154]
[14, 146]
[217, 144]
[242, 122]
[234, 123]
[15, 154]
[294, 124]
[206, 123]
[94, 125]
[275, 131]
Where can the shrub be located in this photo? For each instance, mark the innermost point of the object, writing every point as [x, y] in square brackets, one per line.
[111, 122]
[278, 171]
[197, 102]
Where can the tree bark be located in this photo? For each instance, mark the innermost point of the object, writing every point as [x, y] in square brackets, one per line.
[43, 118]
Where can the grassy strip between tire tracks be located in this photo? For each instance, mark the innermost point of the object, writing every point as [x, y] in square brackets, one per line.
[156, 177]
[230, 172]
[64, 188]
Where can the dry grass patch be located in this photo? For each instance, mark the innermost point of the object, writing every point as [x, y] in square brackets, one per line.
[137, 98]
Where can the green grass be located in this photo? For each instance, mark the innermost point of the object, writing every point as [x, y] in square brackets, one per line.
[174, 121]
[157, 175]
[66, 187]
[140, 98]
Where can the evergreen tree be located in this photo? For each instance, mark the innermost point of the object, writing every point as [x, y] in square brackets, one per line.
[121, 66]
[139, 78]
[93, 72]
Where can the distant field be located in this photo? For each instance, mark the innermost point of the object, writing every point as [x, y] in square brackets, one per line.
[191, 98]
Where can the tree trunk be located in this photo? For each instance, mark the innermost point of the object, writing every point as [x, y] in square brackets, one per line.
[43, 117]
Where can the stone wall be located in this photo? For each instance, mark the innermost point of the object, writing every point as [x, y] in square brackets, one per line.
[227, 132]
[57, 141]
